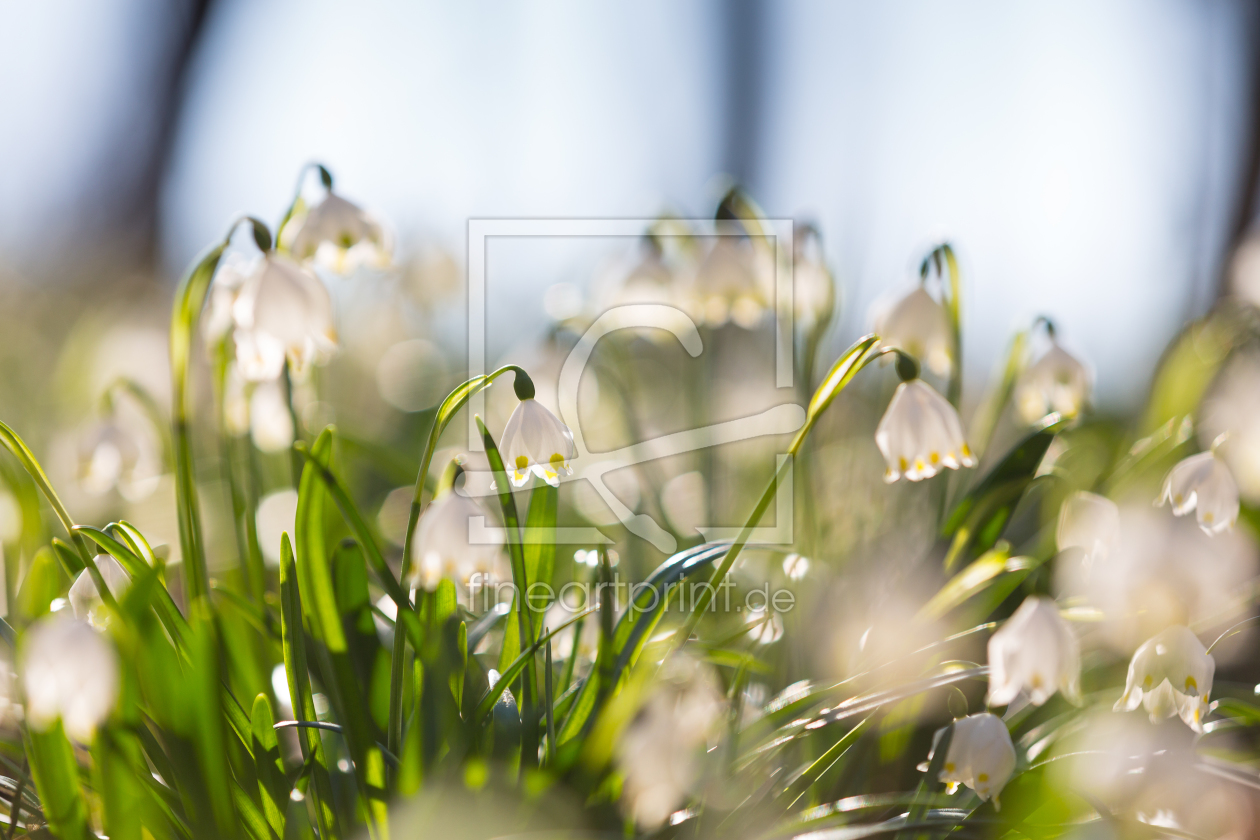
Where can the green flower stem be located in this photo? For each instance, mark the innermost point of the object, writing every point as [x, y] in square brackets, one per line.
[190, 299]
[454, 401]
[862, 353]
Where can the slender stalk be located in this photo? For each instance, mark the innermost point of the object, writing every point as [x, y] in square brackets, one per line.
[445, 413]
[862, 353]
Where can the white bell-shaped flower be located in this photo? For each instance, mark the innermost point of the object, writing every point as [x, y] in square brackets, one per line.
[1091, 523]
[980, 756]
[658, 751]
[729, 284]
[919, 325]
[443, 546]
[534, 440]
[68, 671]
[282, 312]
[1056, 382]
[340, 236]
[270, 421]
[1034, 652]
[122, 452]
[1170, 674]
[85, 598]
[921, 434]
[1203, 483]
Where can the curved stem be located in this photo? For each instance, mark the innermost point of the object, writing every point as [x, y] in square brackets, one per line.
[445, 413]
[861, 354]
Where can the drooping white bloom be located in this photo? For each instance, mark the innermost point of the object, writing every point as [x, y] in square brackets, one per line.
[443, 547]
[534, 440]
[813, 288]
[764, 629]
[1034, 652]
[1089, 522]
[270, 421]
[217, 321]
[340, 236]
[1153, 570]
[1055, 382]
[282, 312]
[919, 325]
[657, 752]
[69, 671]
[729, 284]
[980, 756]
[1170, 674]
[795, 566]
[121, 452]
[85, 598]
[1203, 483]
[921, 434]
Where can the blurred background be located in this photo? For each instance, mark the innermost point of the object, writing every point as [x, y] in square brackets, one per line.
[1095, 163]
[1091, 161]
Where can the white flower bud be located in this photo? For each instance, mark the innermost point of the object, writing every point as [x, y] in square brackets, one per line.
[921, 434]
[1034, 652]
[69, 671]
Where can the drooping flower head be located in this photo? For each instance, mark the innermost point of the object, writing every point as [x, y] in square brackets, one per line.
[534, 440]
[282, 312]
[69, 671]
[340, 236]
[920, 434]
[980, 756]
[1170, 674]
[919, 325]
[657, 753]
[85, 598]
[1034, 652]
[1089, 522]
[1203, 483]
[1056, 382]
[443, 546]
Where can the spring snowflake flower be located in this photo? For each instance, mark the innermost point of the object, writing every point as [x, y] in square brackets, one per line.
[728, 284]
[120, 453]
[270, 420]
[442, 547]
[1170, 674]
[534, 440]
[795, 566]
[919, 325]
[657, 752]
[282, 312]
[1034, 652]
[340, 236]
[1203, 483]
[980, 756]
[1056, 382]
[69, 671]
[1091, 523]
[762, 628]
[921, 434]
[85, 598]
